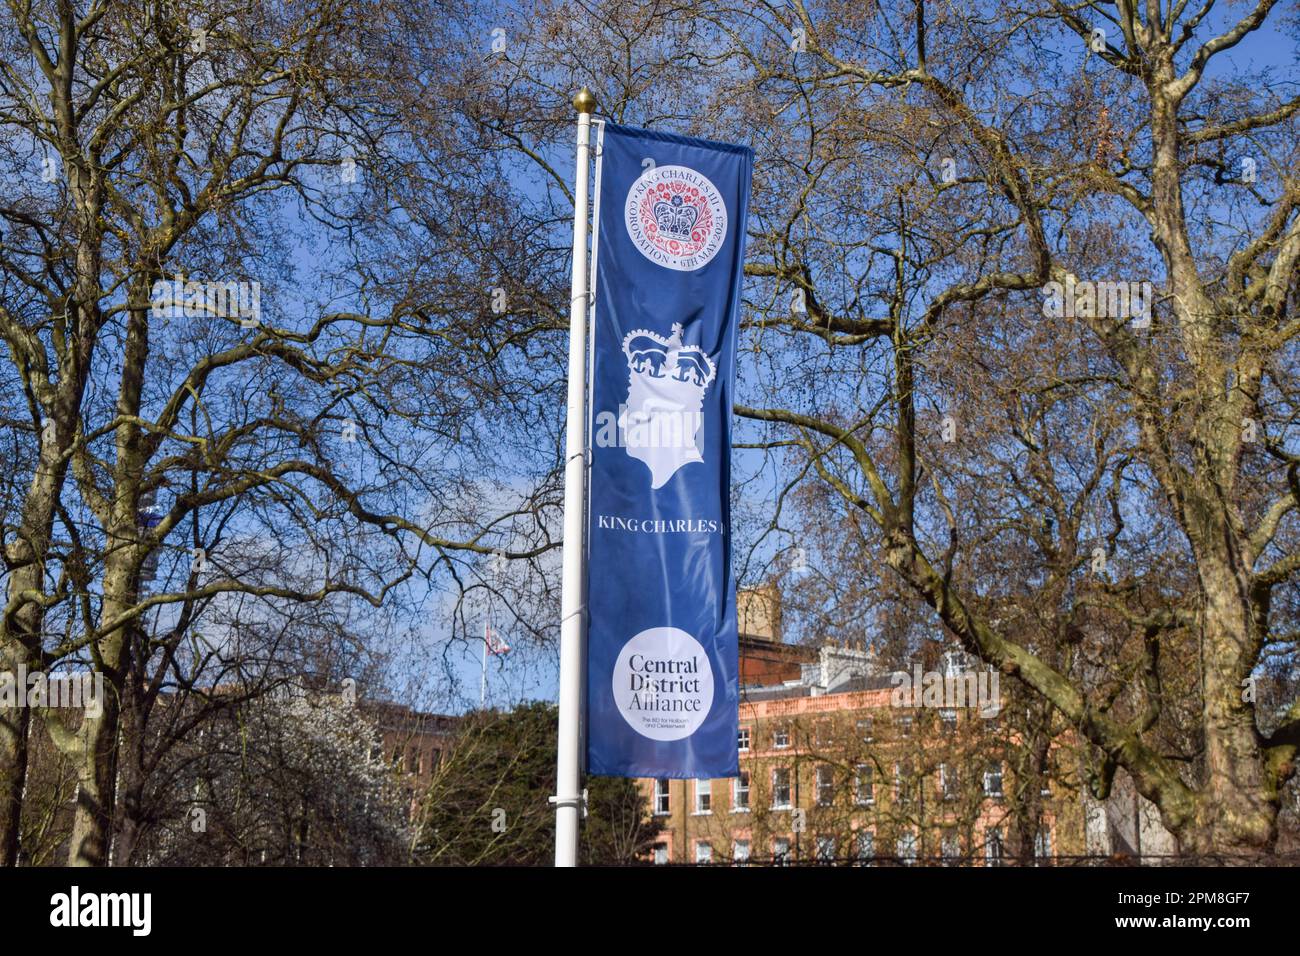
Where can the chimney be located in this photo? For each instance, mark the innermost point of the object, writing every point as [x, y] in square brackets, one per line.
[758, 612]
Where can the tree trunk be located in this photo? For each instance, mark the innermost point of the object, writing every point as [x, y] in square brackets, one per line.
[92, 822]
[130, 822]
[1236, 812]
[14, 723]
[20, 630]
[97, 751]
[92, 827]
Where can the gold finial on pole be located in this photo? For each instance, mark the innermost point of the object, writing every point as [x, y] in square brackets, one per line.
[584, 102]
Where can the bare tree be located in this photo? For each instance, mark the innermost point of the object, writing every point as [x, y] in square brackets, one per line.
[290, 778]
[1019, 302]
[208, 403]
[1088, 433]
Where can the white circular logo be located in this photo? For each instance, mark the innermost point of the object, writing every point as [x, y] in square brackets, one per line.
[663, 683]
[676, 217]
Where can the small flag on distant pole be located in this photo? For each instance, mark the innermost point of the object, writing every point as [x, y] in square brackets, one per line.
[492, 637]
[492, 644]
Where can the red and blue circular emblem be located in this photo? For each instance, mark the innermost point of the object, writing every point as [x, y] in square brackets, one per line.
[676, 217]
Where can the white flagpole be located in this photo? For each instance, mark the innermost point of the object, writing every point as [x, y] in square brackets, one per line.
[482, 681]
[573, 609]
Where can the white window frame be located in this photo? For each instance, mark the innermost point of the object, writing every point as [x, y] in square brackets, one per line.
[742, 740]
[995, 851]
[737, 855]
[789, 789]
[1043, 844]
[740, 784]
[825, 849]
[663, 794]
[904, 791]
[703, 792]
[990, 776]
[781, 857]
[948, 721]
[869, 724]
[707, 848]
[870, 774]
[865, 840]
[950, 844]
[824, 784]
[907, 857]
[947, 782]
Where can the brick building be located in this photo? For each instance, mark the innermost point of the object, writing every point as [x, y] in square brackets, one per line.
[833, 771]
[414, 742]
[764, 660]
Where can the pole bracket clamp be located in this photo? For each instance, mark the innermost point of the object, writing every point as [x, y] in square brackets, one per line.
[574, 801]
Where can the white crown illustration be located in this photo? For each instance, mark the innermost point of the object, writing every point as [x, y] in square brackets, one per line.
[651, 356]
[675, 218]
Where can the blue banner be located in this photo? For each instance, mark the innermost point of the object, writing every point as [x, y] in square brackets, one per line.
[662, 689]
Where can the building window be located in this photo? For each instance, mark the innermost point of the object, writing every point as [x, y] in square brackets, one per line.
[905, 726]
[1043, 845]
[661, 854]
[948, 781]
[958, 662]
[780, 788]
[905, 847]
[825, 733]
[703, 796]
[904, 784]
[415, 760]
[865, 730]
[825, 849]
[781, 851]
[740, 793]
[740, 851]
[661, 797]
[993, 848]
[703, 852]
[993, 779]
[948, 721]
[864, 787]
[742, 740]
[825, 785]
[865, 847]
[781, 738]
[950, 846]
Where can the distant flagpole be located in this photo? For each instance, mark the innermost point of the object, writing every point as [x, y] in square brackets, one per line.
[568, 797]
[482, 682]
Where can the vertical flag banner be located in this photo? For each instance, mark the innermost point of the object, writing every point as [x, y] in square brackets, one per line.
[662, 687]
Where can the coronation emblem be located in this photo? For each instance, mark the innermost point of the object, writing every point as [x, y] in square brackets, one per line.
[676, 217]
